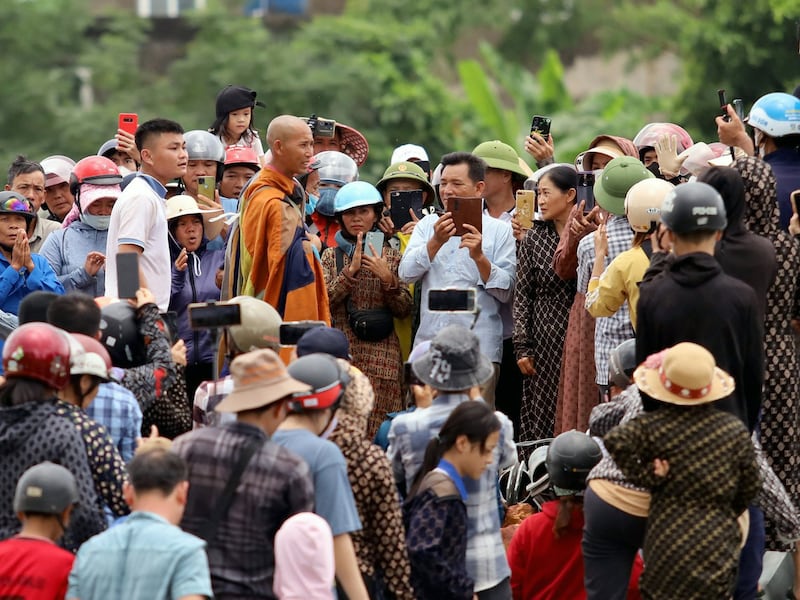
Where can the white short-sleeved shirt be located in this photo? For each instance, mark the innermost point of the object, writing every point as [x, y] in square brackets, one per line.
[139, 217]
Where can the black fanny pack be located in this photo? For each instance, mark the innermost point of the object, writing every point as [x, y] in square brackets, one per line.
[370, 324]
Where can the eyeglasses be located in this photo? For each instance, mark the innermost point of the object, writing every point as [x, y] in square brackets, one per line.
[16, 205]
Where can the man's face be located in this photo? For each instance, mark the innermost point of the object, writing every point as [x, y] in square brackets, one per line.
[195, 169]
[59, 199]
[297, 150]
[455, 182]
[234, 179]
[123, 159]
[334, 144]
[166, 156]
[497, 182]
[30, 185]
[10, 226]
[649, 158]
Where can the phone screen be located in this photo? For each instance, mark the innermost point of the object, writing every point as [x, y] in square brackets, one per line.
[452, 300]
[289, 333]
[127, 274]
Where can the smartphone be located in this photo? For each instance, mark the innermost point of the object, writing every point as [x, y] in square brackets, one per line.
[401, 203]
[794, 198]
[127, 274]
[452, 300]
[211, 315]
[585, 190]
[466, 211]
[376, 239]
[206, 186]
[723, 103]
[409, 377]
[540, 125]
[290, 332]
[128, 122]
[738, 107]
[526, 207]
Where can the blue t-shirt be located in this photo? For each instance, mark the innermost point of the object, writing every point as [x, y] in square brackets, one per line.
[143, 558]
[333, 497]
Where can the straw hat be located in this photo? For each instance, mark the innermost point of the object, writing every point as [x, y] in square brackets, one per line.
[182, 205]
[685, 374]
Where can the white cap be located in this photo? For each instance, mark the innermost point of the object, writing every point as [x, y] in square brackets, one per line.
[407, 152]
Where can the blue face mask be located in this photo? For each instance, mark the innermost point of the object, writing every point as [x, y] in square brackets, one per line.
[311, 205]
[325, 205]
[96, 221]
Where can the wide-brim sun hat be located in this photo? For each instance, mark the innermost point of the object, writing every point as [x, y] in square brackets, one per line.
[685, 374]
[259, 379]
[409, 171]
[618, 177]
[183, 205]
[454, 361]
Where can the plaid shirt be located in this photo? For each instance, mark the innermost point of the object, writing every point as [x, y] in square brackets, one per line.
[275, 485]
[117, 409]
[408, 438]
[609, 332]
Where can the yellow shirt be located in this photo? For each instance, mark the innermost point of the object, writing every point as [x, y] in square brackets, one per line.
[618, 283]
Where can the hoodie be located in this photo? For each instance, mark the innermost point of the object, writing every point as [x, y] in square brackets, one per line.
[693, 300]
[32, 433]
[196, 283]
[66, 251]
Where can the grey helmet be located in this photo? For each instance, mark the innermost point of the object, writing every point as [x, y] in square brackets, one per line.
[46, 488]
[570, 457]
[202, 145]
[622, 364]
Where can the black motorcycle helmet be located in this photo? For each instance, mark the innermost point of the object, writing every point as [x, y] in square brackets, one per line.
[119, 333]
[622, 364]
[570, 457]
[693, 206]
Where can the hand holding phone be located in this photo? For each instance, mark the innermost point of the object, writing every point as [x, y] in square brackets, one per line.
[206, 186]
[401, 203]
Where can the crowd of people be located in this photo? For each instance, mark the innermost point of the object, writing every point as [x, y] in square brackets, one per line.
[331, 427]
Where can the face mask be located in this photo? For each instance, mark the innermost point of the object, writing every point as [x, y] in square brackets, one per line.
[325, 205]
[311, 204]
[95, 221]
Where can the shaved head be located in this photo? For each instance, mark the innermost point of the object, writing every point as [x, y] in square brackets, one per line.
[285, 127]
[291, 143]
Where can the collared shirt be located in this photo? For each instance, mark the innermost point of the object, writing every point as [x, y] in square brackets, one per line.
[609, 332]
[139, 218]
[275, 485]
[143, 558]
[41, 230]
[117, 409]
[408, 439]
[453, 267]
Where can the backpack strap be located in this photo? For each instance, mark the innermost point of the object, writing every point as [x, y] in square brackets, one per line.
[647, 248]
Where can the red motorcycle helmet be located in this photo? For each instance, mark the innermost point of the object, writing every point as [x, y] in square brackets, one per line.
[97, 170]
[38, 351]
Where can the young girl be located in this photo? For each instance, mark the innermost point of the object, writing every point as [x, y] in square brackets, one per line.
[435, 514]
[234, 122]
[699, 466]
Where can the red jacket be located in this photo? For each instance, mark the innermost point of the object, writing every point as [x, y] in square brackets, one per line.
[546, 568]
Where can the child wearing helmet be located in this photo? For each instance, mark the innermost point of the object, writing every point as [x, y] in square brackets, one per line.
[31, 565]
[610, 287]
[36, 361]
[334, 170]
[233, 124]
[435, 512]
[359, 279]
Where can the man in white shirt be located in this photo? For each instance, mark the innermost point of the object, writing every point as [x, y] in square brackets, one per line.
[485, 260]
[138, 220]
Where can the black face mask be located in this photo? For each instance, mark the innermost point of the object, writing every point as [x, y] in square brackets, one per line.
[653, 168]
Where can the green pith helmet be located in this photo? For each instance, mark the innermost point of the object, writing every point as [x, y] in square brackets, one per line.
[619, 176]
[498, 155]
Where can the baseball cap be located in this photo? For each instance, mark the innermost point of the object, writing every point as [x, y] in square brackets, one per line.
[327, 340]
[409, 152]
